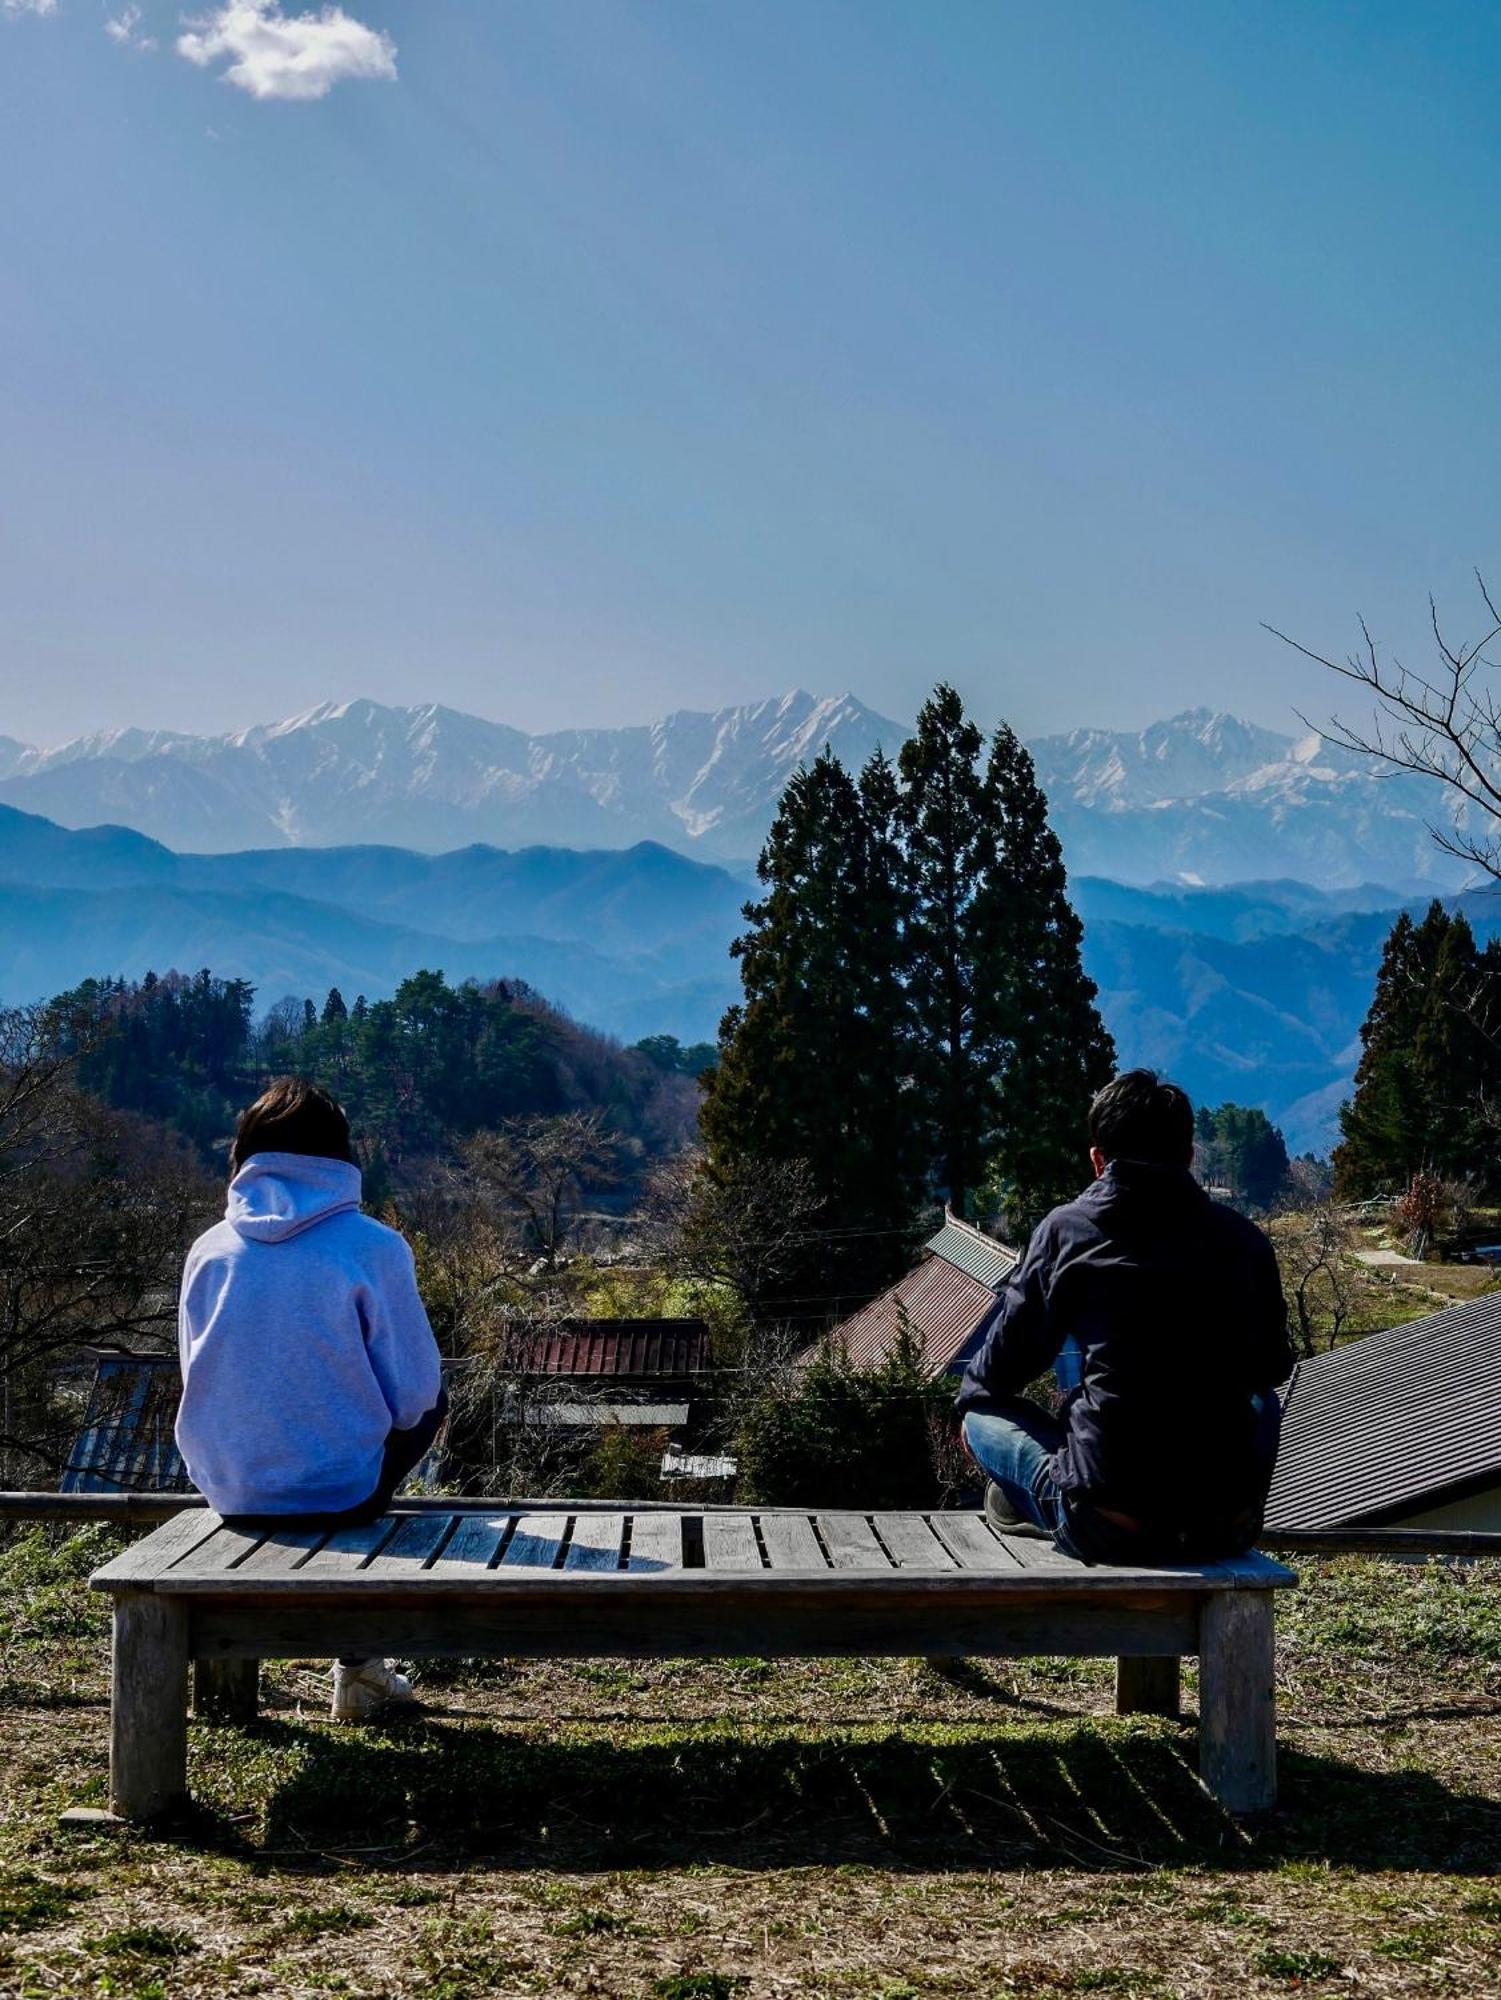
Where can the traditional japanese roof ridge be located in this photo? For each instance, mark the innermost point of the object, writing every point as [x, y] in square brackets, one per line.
[1393, 1423]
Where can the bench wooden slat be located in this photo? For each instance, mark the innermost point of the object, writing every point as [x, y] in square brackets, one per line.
[349, 1549]
[730, 1542]
[412, 1547]
[226, 1548]
[473, 1544]
[597, 1542]
[1031, 1552]
[912, 1543]
[971, 1543]
[851, 1542]
[656, 1542]
[162, 1547]
[282, 1552]
[536, 1542]
[791, 1542]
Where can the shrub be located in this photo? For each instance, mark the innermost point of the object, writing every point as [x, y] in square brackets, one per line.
[824, 1432]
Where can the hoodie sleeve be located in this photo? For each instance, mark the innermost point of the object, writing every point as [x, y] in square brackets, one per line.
[399, 1341]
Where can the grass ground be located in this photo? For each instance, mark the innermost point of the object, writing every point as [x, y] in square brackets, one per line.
[691, 1832]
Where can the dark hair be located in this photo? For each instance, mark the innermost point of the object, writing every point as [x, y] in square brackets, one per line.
[1140, 1116]
[293, 1116]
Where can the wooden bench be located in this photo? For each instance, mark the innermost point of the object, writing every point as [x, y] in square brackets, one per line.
[591, 1581]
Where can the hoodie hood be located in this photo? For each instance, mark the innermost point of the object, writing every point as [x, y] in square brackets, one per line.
[278, 1195]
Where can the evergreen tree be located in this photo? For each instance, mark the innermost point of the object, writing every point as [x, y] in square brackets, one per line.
[945, 817]
[1381, 1125]
[1034, 1006]
[813, 1063]
[1241, 1150]
[333, 1007]
[1430, 1061]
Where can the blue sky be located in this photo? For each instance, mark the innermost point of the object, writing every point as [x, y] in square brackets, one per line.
[573, 360]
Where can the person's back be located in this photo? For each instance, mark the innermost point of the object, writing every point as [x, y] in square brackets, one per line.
[311, 1383]
[303, 1343]
[1174, 1305]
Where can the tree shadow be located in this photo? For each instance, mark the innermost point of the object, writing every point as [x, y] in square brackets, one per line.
[1107, 1800]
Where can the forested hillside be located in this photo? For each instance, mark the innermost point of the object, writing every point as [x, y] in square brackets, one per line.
[418, 1072]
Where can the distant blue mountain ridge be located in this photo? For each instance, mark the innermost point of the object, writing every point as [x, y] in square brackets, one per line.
[1252, 991]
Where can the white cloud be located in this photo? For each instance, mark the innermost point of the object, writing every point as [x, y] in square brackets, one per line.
[12, 8]
[123, 28]
[297, 56]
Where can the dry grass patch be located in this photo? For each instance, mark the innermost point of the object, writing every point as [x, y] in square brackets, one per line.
[839, 1828]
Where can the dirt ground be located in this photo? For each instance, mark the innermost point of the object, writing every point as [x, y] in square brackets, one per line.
[687, 1832]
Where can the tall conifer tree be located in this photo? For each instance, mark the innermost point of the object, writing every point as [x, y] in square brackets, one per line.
[1430, 1064]
[1034, 1004]
[946, 825]
[814, 1064]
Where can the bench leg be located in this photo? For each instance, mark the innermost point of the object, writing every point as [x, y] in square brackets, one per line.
[1237, 1699]
[226, 1690]
[148, 1719]
[1146, 1685]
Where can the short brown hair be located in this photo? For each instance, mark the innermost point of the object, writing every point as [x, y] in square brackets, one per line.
[292, 1116]
[1141, 1116]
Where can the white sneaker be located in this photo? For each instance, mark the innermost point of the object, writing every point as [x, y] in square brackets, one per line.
[371, 1689]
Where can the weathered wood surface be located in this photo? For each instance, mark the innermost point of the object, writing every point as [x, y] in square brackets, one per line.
[1146, 1686]
[591, 1624]
[1237, 1699]
[577, 1582]
[226, 1690]
[643, 1553]
[148, 1736]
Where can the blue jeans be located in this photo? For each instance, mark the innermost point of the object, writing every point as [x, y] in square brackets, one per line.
[1014, 1445]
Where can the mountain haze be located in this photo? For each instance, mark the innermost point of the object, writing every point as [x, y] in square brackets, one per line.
[1254, 992]
[1199, 797]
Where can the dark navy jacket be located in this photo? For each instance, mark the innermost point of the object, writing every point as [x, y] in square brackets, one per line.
[1175, 1304]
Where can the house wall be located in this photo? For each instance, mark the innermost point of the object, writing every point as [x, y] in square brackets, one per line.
[1479, 1512]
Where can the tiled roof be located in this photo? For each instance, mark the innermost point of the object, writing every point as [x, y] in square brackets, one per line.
[1393, 1423]
[619, 1348]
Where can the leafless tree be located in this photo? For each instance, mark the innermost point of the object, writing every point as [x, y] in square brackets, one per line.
[96, 1208]
[540, 1169]
[1443, 723]
[1320, 1280]
[743, 1227]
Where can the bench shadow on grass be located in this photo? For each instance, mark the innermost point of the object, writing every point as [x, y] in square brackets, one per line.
[1108, 1799]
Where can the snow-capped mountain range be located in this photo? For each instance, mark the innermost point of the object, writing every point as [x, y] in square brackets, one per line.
[1199, 797]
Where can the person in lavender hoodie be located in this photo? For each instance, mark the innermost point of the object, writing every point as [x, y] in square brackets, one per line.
[311, 1384]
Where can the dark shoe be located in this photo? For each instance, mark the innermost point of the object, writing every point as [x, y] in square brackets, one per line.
[1004, 1518]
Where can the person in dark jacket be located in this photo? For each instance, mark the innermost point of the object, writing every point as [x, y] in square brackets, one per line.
[1172, 1311]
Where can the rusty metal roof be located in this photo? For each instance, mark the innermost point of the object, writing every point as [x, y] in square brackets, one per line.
[125, 1443]
[947, 1301]
[1394, 1423]
[944, 1307]
[622, 1349]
